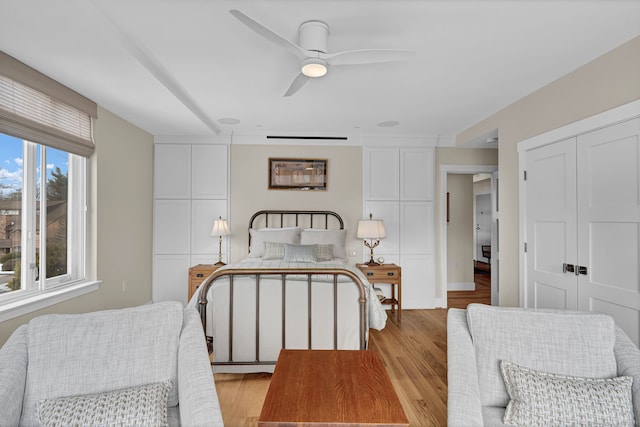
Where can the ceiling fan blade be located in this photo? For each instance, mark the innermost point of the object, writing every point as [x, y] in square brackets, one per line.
[297, 83]
[269, 35]
[367, 56]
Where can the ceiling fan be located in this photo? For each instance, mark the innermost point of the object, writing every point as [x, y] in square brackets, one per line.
[312, 50]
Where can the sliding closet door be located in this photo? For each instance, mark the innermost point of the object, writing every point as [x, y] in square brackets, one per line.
[551, 226]
[609, 223]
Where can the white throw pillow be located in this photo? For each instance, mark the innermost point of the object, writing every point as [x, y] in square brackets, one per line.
[137, 406]
[546, 399]
[276, 235]
[318, 236]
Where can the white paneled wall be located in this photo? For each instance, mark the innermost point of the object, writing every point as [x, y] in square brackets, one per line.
[399, 189]
[190, 192]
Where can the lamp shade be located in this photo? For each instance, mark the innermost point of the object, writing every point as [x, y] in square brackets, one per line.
[371, 229]
[220, 228]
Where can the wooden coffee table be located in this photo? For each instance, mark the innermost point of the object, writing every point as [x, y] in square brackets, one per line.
[331, 387]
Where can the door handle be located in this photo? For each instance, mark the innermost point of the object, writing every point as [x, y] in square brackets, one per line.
[568, 268]
[581, 270]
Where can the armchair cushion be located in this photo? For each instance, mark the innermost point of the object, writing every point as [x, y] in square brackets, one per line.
[80, 354]
[575, 344]
[13, 371]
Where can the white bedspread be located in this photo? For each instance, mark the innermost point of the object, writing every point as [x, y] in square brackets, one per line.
[377, 316]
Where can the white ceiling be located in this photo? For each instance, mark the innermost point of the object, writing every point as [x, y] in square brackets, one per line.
[175, 67]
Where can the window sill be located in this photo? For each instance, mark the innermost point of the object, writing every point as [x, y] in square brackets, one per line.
[45, 299]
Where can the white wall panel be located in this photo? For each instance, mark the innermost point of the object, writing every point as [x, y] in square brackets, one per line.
[416, 174]
[381, 174]
[171, 226]
[209, 172]
[171, 278]
[203, 214]
[172, 171]
[416, 227]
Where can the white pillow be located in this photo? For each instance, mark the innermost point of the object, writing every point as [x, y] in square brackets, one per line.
[300, 253]
[141, 406]
[276, 235]
[318, 236]
[546, 399]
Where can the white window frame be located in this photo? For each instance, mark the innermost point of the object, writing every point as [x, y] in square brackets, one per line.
[37, 294]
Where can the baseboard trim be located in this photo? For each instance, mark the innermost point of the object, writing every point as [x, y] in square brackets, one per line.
[461, 286]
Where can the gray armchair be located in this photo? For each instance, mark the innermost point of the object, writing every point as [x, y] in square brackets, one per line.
[155, 354]
[575, 344]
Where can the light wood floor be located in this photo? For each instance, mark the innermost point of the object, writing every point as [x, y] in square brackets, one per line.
[414, 352]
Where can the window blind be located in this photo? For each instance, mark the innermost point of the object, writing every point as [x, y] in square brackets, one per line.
[39, 109]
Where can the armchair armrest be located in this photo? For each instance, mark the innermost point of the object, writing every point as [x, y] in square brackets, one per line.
[464, 406]
[13, 371]
[198, 399]
[628, 360]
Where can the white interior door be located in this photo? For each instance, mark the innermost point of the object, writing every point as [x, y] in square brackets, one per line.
[551, 226]
[609, 223]
[483, 225]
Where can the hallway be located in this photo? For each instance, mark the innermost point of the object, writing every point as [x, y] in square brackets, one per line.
[482, 294]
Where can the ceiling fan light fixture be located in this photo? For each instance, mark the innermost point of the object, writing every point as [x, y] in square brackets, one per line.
[314, 67]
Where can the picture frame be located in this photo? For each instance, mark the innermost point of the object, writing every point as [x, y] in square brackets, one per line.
[297, 174]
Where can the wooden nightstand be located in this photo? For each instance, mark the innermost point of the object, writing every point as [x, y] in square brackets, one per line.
[197, 274]
[386, 273]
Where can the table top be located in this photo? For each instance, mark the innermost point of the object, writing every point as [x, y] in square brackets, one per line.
[316, 387]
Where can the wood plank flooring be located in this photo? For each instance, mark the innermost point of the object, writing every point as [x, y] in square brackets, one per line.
[413, 351]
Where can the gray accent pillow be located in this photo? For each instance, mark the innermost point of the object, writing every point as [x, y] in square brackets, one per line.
[273, 250]
[136, 406]
[300, 253]
[324, 252]
[546, 399]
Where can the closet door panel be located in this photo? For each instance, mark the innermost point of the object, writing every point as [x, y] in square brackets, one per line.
[203, 214]
[209, 171]
[382, 174]
[389, 212]
[416, 227]
[418, 281]
[609, 221]
[551, 226]
[172, 171]
[416, 174]
[172, 227]
[171, 278]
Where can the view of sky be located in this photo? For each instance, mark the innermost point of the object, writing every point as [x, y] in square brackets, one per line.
[11, 163]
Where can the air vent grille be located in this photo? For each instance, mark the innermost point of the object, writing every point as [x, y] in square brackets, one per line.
[317, 138]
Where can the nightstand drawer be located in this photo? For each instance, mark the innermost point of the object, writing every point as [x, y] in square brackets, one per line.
[381, 274]
[197, 275]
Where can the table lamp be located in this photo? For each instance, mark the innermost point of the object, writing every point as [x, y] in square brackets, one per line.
[220, 229]
[372, 229]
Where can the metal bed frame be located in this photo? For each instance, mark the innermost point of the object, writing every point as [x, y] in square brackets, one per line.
[283, 273]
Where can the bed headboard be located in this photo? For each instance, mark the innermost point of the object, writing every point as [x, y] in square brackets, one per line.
[293, 218]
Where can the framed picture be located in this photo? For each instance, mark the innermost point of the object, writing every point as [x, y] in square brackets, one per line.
[297, 174]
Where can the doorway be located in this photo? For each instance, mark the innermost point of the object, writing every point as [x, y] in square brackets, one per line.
[478, 239]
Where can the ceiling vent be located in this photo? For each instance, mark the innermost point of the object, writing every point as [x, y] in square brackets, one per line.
[315, 138]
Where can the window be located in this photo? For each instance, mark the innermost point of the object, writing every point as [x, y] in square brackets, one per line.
[42, 217]
[45, 140]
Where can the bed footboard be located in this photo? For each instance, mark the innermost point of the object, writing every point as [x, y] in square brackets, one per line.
[301, 275]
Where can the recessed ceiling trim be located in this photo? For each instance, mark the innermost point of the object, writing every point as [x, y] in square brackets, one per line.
[157, 70]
